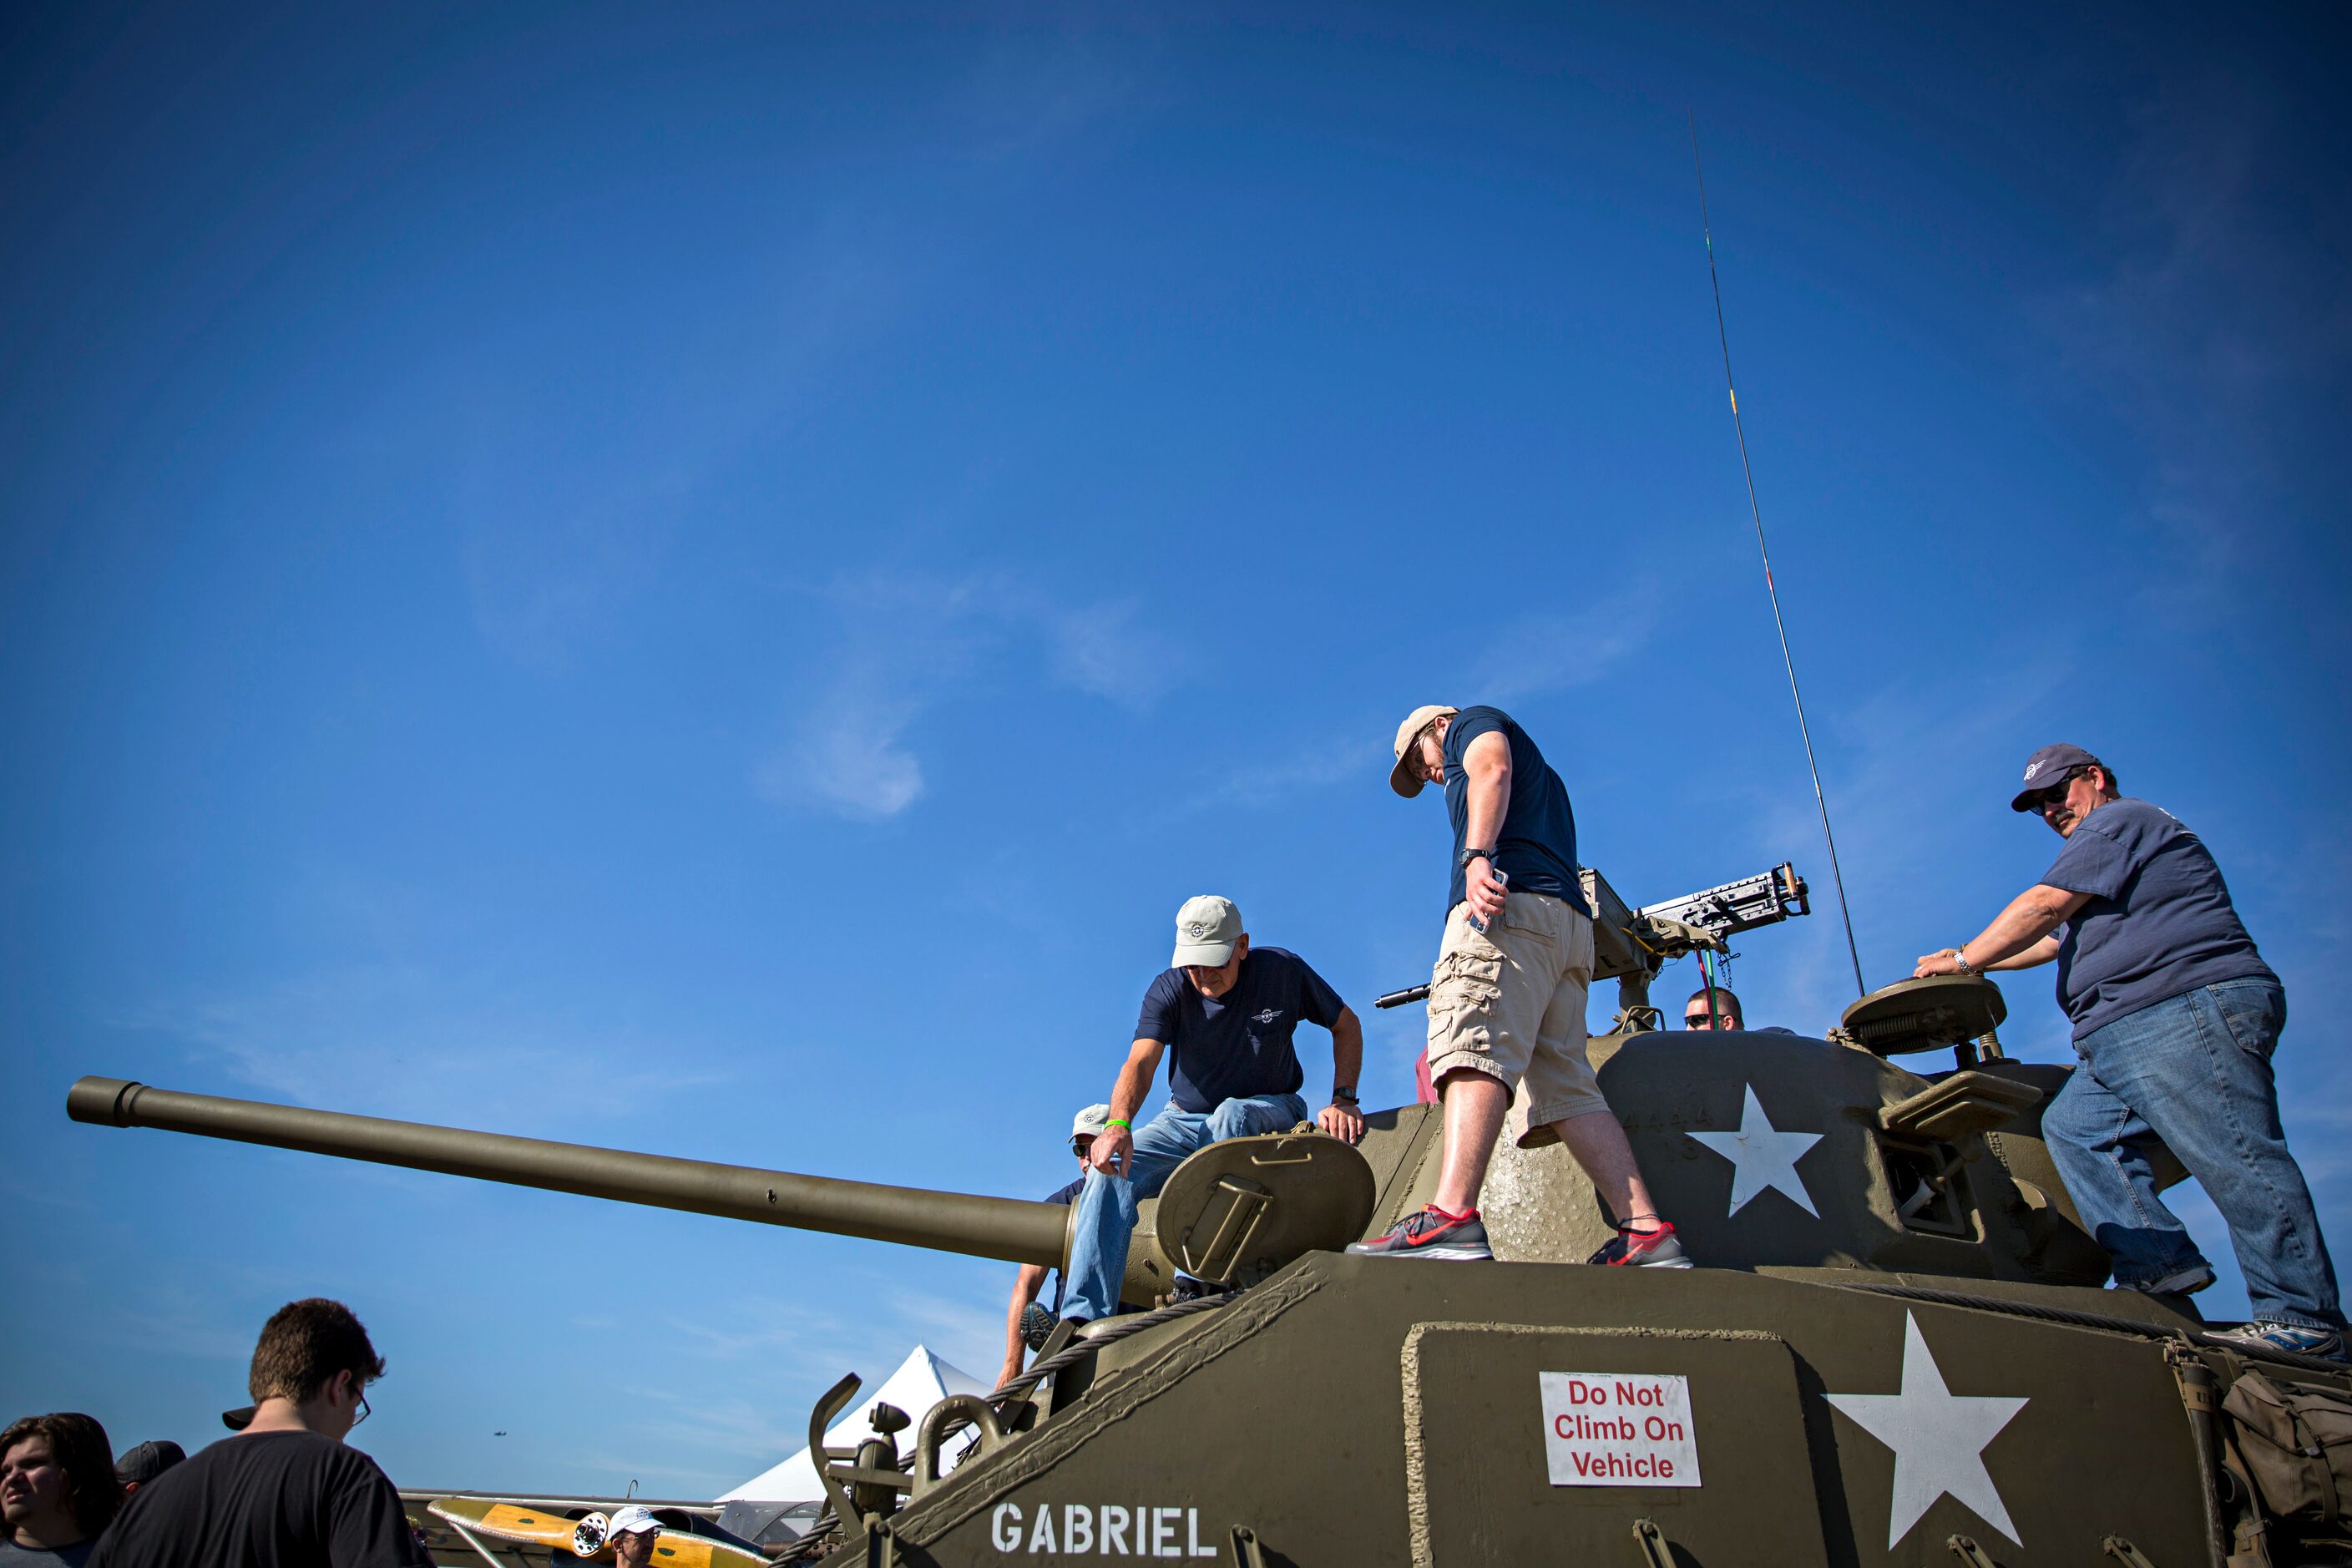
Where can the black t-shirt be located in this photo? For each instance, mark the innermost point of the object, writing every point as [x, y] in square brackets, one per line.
[15, 1556]
[1238, 1045]
[1535, 847]
[271, 1500]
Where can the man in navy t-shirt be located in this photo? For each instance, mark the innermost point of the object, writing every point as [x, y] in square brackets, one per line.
[2176, 1017]
[1084, 1128]
[1508, 995]
[1224, 1014]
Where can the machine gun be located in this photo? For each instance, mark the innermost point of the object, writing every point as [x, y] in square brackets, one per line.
[1631, 946]
[1766, 898]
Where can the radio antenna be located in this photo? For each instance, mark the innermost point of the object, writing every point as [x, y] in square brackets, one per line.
[1805, 733]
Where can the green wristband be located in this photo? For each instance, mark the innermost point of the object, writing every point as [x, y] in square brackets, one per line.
[1118, 1121]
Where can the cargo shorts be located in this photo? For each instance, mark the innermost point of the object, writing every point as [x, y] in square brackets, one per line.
[1509, 1002]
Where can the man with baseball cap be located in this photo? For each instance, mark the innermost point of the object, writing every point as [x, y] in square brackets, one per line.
[2175, 1016]
[1026, 1324]
[1507, 999]
[1225, 1012]
[145, 1461]
[634, 1529]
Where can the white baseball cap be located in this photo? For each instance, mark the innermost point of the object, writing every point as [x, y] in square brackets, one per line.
[1206, 928]
[1086, 1123]
[633, 1519]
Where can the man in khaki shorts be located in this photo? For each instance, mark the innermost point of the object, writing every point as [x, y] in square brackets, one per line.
[1507, 999]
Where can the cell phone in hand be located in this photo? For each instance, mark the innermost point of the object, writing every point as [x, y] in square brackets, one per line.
[1500, 875]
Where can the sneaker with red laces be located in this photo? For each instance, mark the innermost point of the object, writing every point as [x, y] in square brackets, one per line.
[1657, 1249]
[1431, 1233]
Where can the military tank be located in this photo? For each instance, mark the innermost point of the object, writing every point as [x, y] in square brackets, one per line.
[1896, 1350]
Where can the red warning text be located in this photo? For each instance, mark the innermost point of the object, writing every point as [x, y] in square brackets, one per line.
[1618, 1429]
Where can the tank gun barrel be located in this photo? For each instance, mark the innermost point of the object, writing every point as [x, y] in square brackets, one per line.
[1007, 1228]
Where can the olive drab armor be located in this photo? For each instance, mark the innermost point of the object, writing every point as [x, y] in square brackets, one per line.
[1895, 1347]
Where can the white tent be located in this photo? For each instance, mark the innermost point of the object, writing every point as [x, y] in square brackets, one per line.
[920, 1381]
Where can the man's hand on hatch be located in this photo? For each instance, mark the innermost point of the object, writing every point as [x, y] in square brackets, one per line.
[1341, 1121]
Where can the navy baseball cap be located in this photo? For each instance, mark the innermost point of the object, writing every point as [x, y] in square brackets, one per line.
[148, 1460]
[2046, 767]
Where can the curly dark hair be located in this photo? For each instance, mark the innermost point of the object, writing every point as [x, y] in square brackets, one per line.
[79, 1446]
[304, 1345]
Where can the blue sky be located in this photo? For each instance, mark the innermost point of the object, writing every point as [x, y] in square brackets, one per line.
[707, 579]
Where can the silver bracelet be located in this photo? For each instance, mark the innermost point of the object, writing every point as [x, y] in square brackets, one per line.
[1960, 957]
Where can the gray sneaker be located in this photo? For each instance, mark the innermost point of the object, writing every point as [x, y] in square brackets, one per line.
[2179, 1282]
[2325, 1344]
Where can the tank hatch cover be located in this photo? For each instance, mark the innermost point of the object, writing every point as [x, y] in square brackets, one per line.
[1241, 1208]
[1921, 1015]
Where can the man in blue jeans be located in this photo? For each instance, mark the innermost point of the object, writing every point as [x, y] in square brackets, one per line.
[1227, 1013]
[2175, 1019]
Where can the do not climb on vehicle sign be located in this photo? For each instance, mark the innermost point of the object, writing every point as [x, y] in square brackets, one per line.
[1618, 1429]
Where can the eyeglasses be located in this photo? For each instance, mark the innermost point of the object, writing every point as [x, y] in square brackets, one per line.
[1702, 1020]
[363, 1411]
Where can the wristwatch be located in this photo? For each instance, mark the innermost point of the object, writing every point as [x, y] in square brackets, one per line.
[1468, 856]
[1344, 1096]
[1960, 957]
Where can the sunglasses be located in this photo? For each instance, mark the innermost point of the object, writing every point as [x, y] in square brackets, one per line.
[2056, 793]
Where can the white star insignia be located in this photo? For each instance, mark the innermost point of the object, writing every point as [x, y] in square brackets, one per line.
[1762, 1157]
[1939, 1439]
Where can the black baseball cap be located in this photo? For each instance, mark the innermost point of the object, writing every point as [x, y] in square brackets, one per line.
[238, 1419]
[2046, 767]
[142, 1464]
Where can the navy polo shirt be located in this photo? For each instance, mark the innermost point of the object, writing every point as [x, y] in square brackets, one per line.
[1536, 849]
[1236, 1046]
[2159, 922]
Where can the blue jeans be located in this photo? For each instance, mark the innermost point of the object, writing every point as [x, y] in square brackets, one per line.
[2194, 1070]
[1106, 1206]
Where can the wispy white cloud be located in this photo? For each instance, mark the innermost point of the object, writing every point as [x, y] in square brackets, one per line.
[402, 1040]
[1037, 92]
[540, 580]
[1530, 655]
[845, 753]
[1109, 650]
[2219, 318]
[900, 643]
[1901, 768]
[1310, 765]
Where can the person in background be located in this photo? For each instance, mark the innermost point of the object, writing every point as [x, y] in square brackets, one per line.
[2175, 1016]
[1026, 1324]
[286, 1491]
[634, 1530]
[1724, 1012]
[58, 1489]
[145, 1462]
